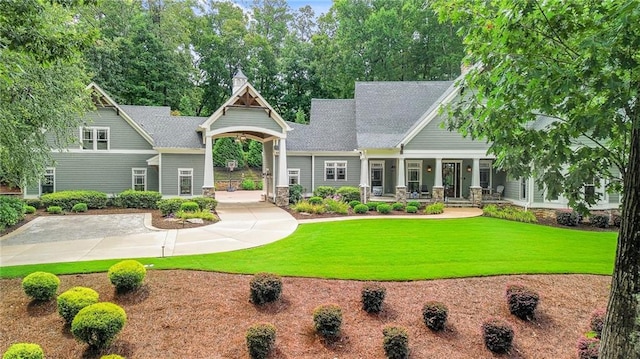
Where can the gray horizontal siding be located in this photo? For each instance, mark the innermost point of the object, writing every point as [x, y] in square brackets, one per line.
[121, 134]
[353, 171]
[512, 189]
[304, 164]
[246, 117]
[433, 137]
[170, 164]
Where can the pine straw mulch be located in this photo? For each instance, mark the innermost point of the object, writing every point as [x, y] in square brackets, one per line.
[191, 314]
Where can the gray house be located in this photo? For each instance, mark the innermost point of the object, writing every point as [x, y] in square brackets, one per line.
[388, 141]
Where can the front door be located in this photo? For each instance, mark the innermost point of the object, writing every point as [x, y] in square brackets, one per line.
[414, 176]
[377, 177]
[451, 179]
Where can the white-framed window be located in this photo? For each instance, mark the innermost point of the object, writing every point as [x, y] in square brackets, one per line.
[335, 170]
[95, 138]
[593, 189]
[294, 176]
[485, 174]
[48, 182]
[139, 179]
[185, 181]
[413, 176]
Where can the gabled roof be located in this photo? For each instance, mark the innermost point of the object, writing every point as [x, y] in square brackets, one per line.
[333, 128]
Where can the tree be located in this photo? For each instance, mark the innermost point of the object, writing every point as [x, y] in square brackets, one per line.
[42, 84]
[226, 149]
[254, 155]
[556, 90]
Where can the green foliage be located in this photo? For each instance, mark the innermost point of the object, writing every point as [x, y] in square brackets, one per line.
[34, 202]
[24, 351]
[226, 149]
[40, 286]
[254, 155]
[588, 348]
[205, 203]
[384, 208]
[509, 212]
[324, 191]
[395, 342]
[522, 301]
[189, 206]
[353, 204]
[98, 324]
[414, 203]
[596, 322]
[295, 193]
[139, 199]
[336, 206]
[373, 205]
[373, 297]
[74, 299]
[11, 211]
[127, 275]
[307, 207]
[29, 209]
[265, 288]
[170, 205]
[315, 200]
[68, 199]
[54, 209]
[434, 315]
[397, 206]
[434, 208]
[112, 356]
[498, 335]
[261, 338]
[411, 209]
[567, 218]
[248, 184]
[327, 320]
[205, 215]
[349, 193]
[361, 208]
[79, 207]
[599, 220]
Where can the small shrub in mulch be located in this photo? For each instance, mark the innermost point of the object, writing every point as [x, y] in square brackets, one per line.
[597, 322]
[361, 208]
[40, 286]
[395, 342]
[315, 200]
[265, 288]
[397, 206]
[567, 218]
[261, 338]
[24, 351]
[127, 275]
[414, 204]
[411, 209]
[353, 204]
[522, 301]
[497, 335]
[599, 220]
[384, 208]
[435, 208]
[434, 315]
[616, 220]
[373, 297]
[327, 320]
[54, 209]
[79, 207]
[73, 300]
[189, 206]
[98, 324]
[29, 209]
[588, 348]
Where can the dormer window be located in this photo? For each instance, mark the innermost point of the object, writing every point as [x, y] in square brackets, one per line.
[95, 138]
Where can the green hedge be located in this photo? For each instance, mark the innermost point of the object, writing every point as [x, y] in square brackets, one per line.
[139, 199]
[67, 199]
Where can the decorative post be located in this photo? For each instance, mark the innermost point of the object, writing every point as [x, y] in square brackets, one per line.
[401, 186]
[282, 187]
[208, 187]
[364, 177]
[438, 188]
[475, 189]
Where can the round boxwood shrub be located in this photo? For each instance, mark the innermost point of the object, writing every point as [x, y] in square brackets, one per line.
[74, 299]
[395, 342]
[588, 348]
[397, 206]
[414, 203]
[597, 322]
[411, 209]
[29, 209]
[599, 220]
[327, 320]
[127, 275]
[434, 315]
[373, 297]
[522, 301]
[265, 288]
[112, 356]
[40, 286]
[353, 204]
[24, 351]
[79, 207]
[384, 208]
[54, 209]
[261, 338]
[98, 324]
[567, 218]
[315, 200]
[497, 335]
[189, 206]
[361, 208]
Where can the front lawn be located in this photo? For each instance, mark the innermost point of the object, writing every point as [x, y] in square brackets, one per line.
[397, 249]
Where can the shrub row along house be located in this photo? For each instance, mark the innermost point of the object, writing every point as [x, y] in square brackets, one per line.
[388, 141]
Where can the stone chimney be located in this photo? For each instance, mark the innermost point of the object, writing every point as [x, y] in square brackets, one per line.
[238, 81]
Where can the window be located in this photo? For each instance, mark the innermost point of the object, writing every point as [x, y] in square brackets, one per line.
[48, 183]
[185, 181]
[294, 176]
[523, 188]
[139, 179]
[95, 138]
[335, 170]
[590, 190]
[414, 176]
[485, 174]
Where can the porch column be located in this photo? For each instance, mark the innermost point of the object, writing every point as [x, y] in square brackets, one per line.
[401, 185]
[364, 177]
[208, 187]
[476, 190]
[438, 188]
[282, 188]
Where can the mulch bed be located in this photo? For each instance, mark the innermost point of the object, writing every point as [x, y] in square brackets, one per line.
[191, 314]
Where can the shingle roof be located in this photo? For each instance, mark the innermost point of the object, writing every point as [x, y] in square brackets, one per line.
[332, 128]
[167, 131]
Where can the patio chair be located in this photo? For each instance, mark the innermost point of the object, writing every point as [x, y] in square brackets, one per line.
[498, 193]
[424, 191]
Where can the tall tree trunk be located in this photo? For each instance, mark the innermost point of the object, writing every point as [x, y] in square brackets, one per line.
[621, 333]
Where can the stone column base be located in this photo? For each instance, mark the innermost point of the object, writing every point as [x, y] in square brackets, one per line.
[476, 195]
[209, 192]
[282, 196]
[401, 194]
[438, 194]
[364, 194]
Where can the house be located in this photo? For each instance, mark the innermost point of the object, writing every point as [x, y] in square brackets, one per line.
[388, 141]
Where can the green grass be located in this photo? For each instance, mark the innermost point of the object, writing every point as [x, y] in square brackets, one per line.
[397, 249]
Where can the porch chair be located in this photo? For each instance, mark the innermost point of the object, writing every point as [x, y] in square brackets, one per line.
[498, 193]
[424, 191]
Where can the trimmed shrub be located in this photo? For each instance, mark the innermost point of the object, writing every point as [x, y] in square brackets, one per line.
[54, 209]
[588, 348]
[40, 286]
[599, 220]
[435, 208]
[327, 320]
[127, 275]
[33, 202]
[265, 288]
[373, 205]
[414, 203]
[139, 199]
[74, 299]
[295, 193]
[596, 323]
[315, 200]
[98, 324]
[11, 211]
[353, 204]
[522, 301]
[112, 356]
[261, 338]
[411, 209]
[434, 315]
[189, 206]
[170, 205]
[306, 207]
[361, 208]
[349, 193]
[67, 199]
[395, 342]
[567, 218]
[324, 191]
[79, 207]
[384, 208]
[397, 206]
[206, 215]
[497, 335]
[248, 184]
[373, 297]
[29, 209]
[336, 206]
[24, 351]
[205, 203]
